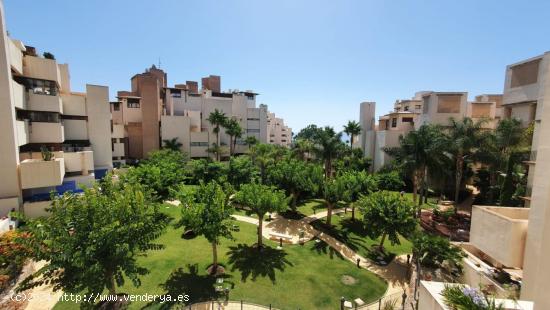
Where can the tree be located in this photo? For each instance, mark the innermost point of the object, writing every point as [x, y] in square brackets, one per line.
[217, 119]
[355, 184]
[203, 170]
[241, 171]
[390, 181]
[48, 55]
[303, 149]
[332, 193]
[465, 137]
[251, 141]
[264, 155]
[296, 178]
[432, 251]
[308, 133]
[91, 242]
[172, 144]
[328, 144]
[235, 131]
[352, 160]
[387, 214]
[207, 212]
[352, 129]
[261, 199]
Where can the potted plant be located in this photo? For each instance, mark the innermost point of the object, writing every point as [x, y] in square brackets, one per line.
[459, 297]
[47, 155]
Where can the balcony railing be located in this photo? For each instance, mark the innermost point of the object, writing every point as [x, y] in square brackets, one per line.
[37, 173]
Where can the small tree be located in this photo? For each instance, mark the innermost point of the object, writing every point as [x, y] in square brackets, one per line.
[332, 193]
[296, 178]
[241, 171]
[206, 211]
[390, 181]
[356, 184]
[352, 129]
[234, 130]
[251, 141]
[91, 241]
[217, 119]
[432, 251]
[172, 144]
[261, 199]
[387, 214]
[206, 171]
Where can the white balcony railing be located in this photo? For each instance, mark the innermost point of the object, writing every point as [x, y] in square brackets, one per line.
[37, 173]
[47, 103]
[41, 132]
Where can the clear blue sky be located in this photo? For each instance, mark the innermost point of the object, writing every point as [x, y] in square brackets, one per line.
[311, 61]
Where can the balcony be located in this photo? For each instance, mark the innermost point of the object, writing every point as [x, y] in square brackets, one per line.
[118, 131]
[79, 161]
[500, 232]
[19, 95]
[37, 173]
[43, 132]
[118, 150]
[41, 68]
[45, 103]
[22, 132]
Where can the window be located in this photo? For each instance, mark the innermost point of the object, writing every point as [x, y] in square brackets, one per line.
[116, 106]
[407, 108]
[250, 97]
[253, 119]
[38, 86]
[195, 144]
[41, 117]
[448, 103]
[525, 74]
[253, 130]
[407, 120]
[133, 103]
[394, 122]
[283, 140]
[175, 93]
[418, 106]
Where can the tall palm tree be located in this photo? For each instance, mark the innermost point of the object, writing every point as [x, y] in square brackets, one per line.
[352, 129]
[328, 145]
[217, 119]
[234, 130]
[303, 148]
[172, 144]
[465, 137]
[263, 155]
[251, 141]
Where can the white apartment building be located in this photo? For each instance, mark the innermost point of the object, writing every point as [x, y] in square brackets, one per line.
[38, 109]
[278, 132]
[426, 107]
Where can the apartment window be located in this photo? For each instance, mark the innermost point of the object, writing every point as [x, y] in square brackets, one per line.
[448, 103]
[407, 108]
[175, 93]
[525, 74]
[271, 141]
[418, 107]
[195, 144]
[272, 135]
[133, 103]
[116, 106]
[38, 86]
[253, 130]
[253, 119]
[41, 117]
[394, 122]
[250, 97]
[283, 135]
[407, 120]
[283, 140]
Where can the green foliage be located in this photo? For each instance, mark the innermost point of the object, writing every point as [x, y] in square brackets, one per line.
[333, 191]
[217, 119]
[265, 155]
[242, 170]
[357, 183]
[459, 297]
[161, 171]
[91, 241]
[234, 130]
[308, 133]
[206, 171]
[296, 177]
[387, 214]
[172, 144]
[303, 149]
[352, 129]
[48, 55]
[327, 146]
[433, 251]
[352, 160]
[47, 155]
[251, 141]
[390, 181]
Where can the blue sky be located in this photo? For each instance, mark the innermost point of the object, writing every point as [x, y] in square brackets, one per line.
[311, 61]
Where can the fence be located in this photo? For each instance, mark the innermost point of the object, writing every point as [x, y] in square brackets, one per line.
[225, 305]
[395, 301]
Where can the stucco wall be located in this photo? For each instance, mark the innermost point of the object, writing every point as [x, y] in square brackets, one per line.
[99, 124]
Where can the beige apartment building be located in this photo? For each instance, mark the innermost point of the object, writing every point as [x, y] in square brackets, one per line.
[278, 132]
[514, 240]
[38, 109]
[153, 112]
[426, 107]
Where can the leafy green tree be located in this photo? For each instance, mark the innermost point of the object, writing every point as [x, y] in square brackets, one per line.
[303, 149]
[207, 212]
[217, 119]
[251, 141]
[465, 137]
[91, 242]
[172, 144]
[387, 214]
[355, 184]
[431, 251]
[352, 129]
[206, 171]
[241, 171]
[352, 160]
[328, 145]
[333, 190]
[296, 178]
[235, 131]
[261, 199]
[308, 133]
[390, 181]
[264, 156]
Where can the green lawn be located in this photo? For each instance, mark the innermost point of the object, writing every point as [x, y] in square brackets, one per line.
[431, 200]
[354, 235]
[311, 206]
[299, 277]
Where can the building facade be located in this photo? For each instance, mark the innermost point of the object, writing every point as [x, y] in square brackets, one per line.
[153, 112]
[39, 112]
[278, 132]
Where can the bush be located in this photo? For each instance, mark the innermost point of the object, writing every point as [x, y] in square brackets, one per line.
[12, 256]
[390, 181]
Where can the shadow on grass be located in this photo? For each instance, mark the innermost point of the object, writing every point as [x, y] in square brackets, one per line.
[322, 247]
[254, 263]
[199, 287]
[351, 232]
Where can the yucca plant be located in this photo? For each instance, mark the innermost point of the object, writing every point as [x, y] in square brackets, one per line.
[459, 297]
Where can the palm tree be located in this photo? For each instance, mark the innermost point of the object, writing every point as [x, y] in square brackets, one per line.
[217, 119]
[263, 155]
[328, 145]
[172, 144]
[234, 130]
[251, 141]
[465, 137]
[303, 148]
[352, 129]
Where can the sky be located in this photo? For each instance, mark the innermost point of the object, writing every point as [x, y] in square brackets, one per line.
[312, 62]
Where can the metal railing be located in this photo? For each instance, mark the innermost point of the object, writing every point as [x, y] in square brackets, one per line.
[225, 305]
[395, 301]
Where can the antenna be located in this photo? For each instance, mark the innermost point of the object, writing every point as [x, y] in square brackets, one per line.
[159, 62]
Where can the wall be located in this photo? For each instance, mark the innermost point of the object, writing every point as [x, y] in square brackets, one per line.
[99, 124]
[46, 132]
[75, 129]
[74, 104]
[176, 127]
[41, 68]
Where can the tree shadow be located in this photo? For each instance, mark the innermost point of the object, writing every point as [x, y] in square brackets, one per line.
[255, 263]
[322, 247]
[198, 287]
[351, 233]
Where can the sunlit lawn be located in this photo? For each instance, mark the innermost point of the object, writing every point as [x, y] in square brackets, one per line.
[299, 277]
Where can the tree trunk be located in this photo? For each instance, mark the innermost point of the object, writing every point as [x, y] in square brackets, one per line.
[351, 141]
[382, 241]
[352, 211]
[260, 229]
[415, 186]
[214, 258]
[111, 286]
[329, 213]
[458, 178]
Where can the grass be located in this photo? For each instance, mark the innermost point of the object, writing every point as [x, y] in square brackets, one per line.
[354, 235]
[432, 201]
[299, 277]
[311, 206]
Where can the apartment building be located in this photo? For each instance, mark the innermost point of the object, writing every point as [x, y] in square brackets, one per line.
[153, 112]
[278, 132]
[38, 110]
[425, 107]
